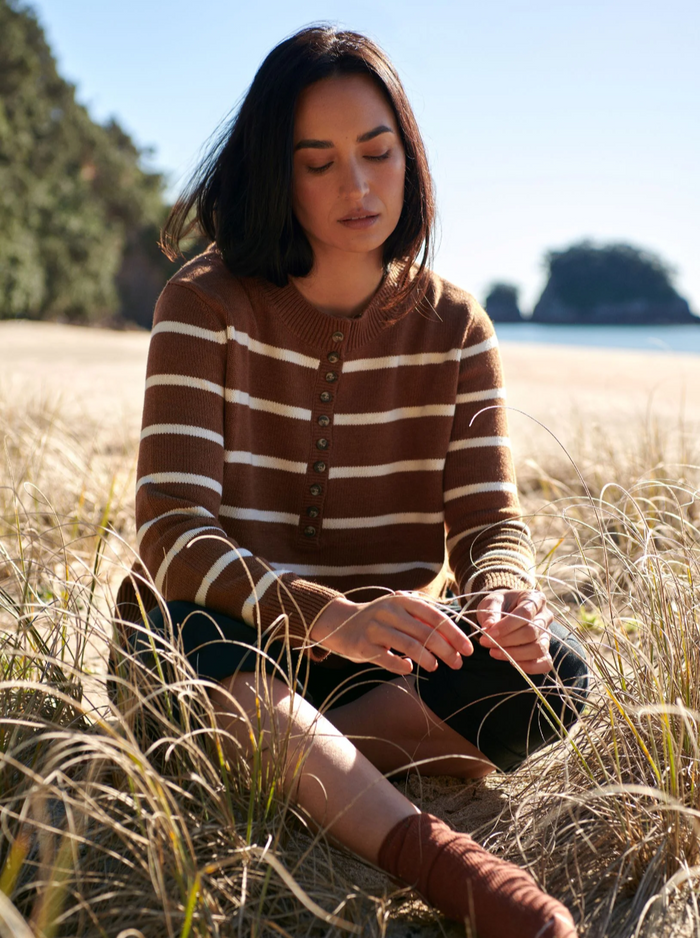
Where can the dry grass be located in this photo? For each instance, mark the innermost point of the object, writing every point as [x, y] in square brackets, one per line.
[126, 821]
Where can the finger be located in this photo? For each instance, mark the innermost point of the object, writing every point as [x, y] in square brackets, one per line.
[537, 630]
[406, 645]
[536, 665]
[540, 665]
[437, 621]
[490, 609]
[391, 662]
[523, 614]
[521, 653]
[433, 640]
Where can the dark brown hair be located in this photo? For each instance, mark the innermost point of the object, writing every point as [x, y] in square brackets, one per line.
[241, 194]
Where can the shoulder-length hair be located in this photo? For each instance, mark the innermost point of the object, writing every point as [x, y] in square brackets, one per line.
[241, 194]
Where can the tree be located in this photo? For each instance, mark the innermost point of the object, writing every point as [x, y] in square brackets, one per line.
[609, 283]
[72, 192]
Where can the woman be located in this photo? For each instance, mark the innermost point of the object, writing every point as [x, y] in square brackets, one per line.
[319, 409]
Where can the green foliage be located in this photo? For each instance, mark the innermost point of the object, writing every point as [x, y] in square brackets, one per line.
[72, 192]
[585, 275]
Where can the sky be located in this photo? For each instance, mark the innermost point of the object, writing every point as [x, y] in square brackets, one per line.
[546, 121]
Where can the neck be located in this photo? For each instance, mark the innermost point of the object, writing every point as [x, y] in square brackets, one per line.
[342, 285]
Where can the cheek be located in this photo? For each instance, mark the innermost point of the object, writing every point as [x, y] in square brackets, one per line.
[398, 182]
[307, 199]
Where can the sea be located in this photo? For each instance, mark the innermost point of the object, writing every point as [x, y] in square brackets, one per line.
[643, 338]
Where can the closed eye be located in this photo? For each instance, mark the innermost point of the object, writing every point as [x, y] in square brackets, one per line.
[319, 169]
[382, 156]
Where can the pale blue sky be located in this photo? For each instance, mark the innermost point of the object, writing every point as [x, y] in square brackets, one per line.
[546, 121]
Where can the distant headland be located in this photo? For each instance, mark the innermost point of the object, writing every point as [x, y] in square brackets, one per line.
[599, 285]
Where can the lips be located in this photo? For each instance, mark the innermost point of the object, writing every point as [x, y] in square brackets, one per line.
[359, 220]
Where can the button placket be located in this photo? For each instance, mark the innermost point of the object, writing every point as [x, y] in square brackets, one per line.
[327, 379]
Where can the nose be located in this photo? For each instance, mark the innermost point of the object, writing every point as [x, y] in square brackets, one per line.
[353, 181]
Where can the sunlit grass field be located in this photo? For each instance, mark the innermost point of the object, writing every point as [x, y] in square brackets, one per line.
[128, 821]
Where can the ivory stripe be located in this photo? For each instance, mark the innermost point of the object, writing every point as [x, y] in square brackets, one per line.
[254, 514]
[259, 590]
[498, 553]
[195, 332]
[264, 462]
[175, 550]
[272, 407]
[216, 570]
[184, 478]
[477, 442]
[396, 361]
[386, 469]
[195, 510]
[379, 521]
[389, 416]
[478, 487]
[488, 395]
[184, 381]
[518, 571]
[364, 570]
[500, 527]
[451, 541]
[183, 430]
[272, 351]
[480, 347]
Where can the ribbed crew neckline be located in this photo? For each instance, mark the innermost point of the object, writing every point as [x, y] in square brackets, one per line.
[316, 328]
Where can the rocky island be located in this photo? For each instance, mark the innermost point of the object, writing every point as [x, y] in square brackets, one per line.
[615, 284]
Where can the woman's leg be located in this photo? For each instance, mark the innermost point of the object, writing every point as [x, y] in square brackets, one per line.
[393, 728]
[325, 773]
[468, 722]
[349, 798]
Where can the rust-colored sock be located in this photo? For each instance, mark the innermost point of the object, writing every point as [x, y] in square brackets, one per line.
[464, 881]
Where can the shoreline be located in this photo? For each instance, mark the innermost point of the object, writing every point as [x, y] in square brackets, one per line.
[100, 374]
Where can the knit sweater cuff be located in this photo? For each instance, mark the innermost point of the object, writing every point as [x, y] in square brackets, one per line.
[488, 582]
[302, 607]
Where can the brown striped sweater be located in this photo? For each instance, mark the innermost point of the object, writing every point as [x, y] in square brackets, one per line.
[288, 456]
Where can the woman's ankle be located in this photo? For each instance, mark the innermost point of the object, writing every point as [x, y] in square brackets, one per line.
[465, 882]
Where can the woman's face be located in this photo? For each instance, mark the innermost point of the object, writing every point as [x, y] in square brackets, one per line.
[349, 166]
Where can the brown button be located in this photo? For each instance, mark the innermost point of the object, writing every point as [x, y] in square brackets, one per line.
[313, 512]
[333, 357]
[309, 531]
[337, 337]
[326, 396]
[331, 376]
[322, 444]
[319, 467]
[323, 421]
[315, 490]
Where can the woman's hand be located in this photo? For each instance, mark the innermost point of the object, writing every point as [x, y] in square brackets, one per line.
[516, 627]
[392, 632]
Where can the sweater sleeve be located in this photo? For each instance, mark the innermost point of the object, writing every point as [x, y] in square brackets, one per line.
[180, 476]
[488, 545]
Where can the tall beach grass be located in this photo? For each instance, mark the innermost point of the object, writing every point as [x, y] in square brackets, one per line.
[128, 820]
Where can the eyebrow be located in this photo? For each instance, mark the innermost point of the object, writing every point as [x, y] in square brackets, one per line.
[328, 144]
